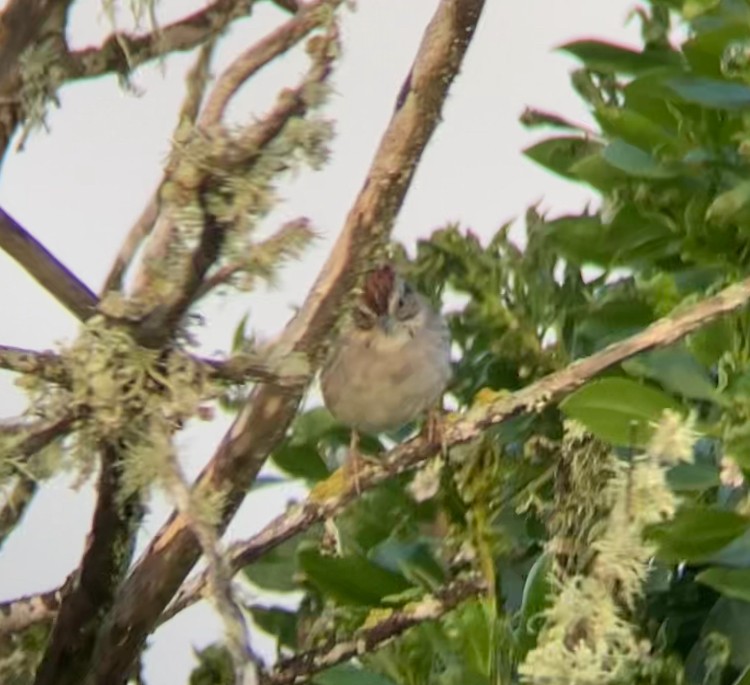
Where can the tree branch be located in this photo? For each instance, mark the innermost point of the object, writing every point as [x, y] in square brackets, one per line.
[263, 422]
[45, 269]
[17, 615]
[37, 435]
[251, 61]
[104, 564]
[431, 607]
[16, 503]
[121, 52]
[331, 496]
[21, 23]
[47, 366]
[258, 55]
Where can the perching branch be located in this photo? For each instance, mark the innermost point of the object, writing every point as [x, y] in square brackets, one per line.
[263, 422]
[45, 269]
[431, 607]
[331, 496]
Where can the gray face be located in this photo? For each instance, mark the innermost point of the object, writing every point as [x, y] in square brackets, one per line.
[403, 303]
[390, 304]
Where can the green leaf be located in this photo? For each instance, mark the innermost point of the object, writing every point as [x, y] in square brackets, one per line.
[537, 594]
[634, 161]
[276, 568]
[559, 154]
[595, 171]
[731, 206]
[737, 444]
[612, 58]
[693, 477]
[414, 560]
[580, 239]
[351, 579]
[278, 622]
[711, 93]
[676, 369]
[618, 410]
[731, 582]
[312, 433]
[346, 674]
[634, 128]
[696, 533]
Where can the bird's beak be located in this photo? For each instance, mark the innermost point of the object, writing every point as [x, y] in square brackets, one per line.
[386, 323]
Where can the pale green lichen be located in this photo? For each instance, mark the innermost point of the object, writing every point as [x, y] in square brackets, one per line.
[588, 637]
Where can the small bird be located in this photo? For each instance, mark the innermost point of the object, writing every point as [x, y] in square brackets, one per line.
[391, 365]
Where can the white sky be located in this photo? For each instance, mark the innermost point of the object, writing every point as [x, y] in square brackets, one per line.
[79, 188]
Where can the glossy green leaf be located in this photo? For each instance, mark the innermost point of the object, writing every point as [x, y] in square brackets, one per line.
[537, 595]
[347, 674]
[613, 58]
[276, 568]
[581, 240]
[414, 560]
[351, 579]
[559, 154]
[696, 533]
[731, 582]
[733, 205]
[634, 128]
[693, 477]
[276, 621]
[711, 93]
[676, 369]
[634, 161]
[618, 410]
[737, 444]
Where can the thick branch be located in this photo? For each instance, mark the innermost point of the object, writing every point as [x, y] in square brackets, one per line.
[431, 607]
[331, 496]
[21, 22]
[263, 422]
[105, 562]
[46, 270]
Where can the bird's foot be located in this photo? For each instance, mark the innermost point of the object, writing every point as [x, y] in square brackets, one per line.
[434, 430]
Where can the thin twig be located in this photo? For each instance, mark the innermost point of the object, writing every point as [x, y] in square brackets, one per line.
[263, 422]
[16, 615]
[330, 497]
[218, 575]
[121, 52]
[46, 270]
[15, 504]
[431, 607]
[47, 366]
[196, 80]
[259, 55]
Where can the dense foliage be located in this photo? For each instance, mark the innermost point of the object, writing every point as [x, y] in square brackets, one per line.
[530, 505]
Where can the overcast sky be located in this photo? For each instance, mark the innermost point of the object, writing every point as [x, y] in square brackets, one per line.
[79, 188]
